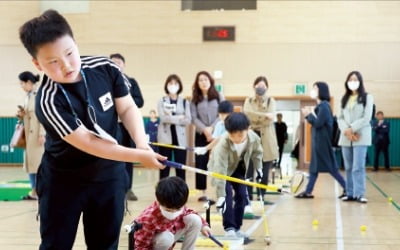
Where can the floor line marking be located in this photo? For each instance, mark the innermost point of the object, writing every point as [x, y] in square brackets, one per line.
[339, 221]
[257, 223]
[394, 203]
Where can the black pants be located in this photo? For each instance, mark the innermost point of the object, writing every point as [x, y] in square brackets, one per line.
[127, 142]
[233, 214]
[201, 162]
[179, 156]
[62, 202]
[251, 175]
[385, 150]
[281, 147]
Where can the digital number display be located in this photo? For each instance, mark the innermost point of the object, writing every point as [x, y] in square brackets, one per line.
[218, 33]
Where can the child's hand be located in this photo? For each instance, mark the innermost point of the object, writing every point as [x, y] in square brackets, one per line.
[206, 231]
[221, 205]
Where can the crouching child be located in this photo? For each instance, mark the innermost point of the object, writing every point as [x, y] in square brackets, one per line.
[231, 156]
[168, 219]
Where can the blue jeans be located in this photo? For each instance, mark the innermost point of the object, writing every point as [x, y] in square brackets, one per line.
[354, 163]
[32, 180]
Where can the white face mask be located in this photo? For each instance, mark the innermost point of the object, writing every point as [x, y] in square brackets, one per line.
[353, 85]
[170, 215]
[313, 94]
[173, 89]
[240, 147]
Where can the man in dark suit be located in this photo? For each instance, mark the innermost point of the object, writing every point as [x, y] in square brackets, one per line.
[381, 139]
[281, 136]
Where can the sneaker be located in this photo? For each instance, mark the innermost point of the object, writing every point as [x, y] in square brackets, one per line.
[304, 195]
[348, 198]
[241, 234]
[248, 210]
[130, 195]
[362, 199]
[230, 232]
[342, 195]
[29, 197]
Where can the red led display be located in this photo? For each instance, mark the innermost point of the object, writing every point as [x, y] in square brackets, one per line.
[218, 33]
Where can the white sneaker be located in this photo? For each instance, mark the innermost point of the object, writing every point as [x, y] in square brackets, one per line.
[362, 199]
[230, 233]
[241, 234]
[248, 210]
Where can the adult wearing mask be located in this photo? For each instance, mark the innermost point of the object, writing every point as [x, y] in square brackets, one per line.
[261, 111]
[355, 126]
[34, 131]
[174, 113]
[204, 111]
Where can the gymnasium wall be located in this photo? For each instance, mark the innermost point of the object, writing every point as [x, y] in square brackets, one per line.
[288, 41]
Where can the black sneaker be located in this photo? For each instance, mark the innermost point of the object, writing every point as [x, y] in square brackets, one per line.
[342, 195]
[348, 198]
[304, 195]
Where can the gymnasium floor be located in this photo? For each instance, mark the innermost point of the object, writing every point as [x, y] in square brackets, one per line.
[290, 220]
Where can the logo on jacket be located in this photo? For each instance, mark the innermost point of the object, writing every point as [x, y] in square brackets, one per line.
[106, 101]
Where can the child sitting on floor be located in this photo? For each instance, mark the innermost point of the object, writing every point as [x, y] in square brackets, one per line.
[168, 219]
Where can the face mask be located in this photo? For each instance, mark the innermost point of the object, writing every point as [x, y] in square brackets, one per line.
[353, 85]
[260, 91]
[171, 215]
[240, 147]
[313, 94]
[173, 89]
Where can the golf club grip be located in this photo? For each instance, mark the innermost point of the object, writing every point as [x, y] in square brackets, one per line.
[172, 164]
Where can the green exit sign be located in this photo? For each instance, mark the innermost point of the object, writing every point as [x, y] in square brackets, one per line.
[300, 89]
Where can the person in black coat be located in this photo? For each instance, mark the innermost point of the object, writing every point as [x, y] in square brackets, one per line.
[281, 136]
[124, 137]
[322, 155]
[381, 139]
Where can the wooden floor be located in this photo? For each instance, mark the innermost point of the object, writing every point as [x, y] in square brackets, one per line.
[290, 220]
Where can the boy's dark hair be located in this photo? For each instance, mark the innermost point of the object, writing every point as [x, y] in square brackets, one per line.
[117, 55]
[323, 91]
[28, 76]
[379, 113]
[225, 107]
[236, 121]
[172, 192]
[43, 29]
